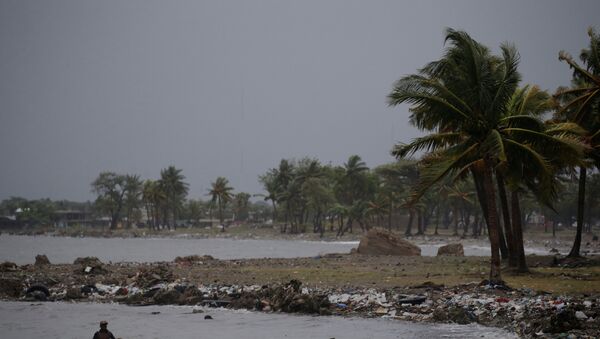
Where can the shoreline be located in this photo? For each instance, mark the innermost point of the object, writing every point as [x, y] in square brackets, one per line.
[343, 285]
[538, 243]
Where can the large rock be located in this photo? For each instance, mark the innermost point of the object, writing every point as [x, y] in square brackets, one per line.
[41, 260]
[380, 242]
[456, 250]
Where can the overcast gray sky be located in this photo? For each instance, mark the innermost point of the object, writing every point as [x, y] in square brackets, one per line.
[228, 88]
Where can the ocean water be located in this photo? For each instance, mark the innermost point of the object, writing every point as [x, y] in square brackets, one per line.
[23, 249]
[22, 320]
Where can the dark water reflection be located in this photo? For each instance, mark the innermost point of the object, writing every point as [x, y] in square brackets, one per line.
[66, 320]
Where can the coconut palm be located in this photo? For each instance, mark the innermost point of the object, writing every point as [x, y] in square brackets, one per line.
[463, 99]
[354, 188]
[558, 143]
[154, 199]
[582, 106]
[132, 199]
[175, 189]
[269, 183]
[221, 195]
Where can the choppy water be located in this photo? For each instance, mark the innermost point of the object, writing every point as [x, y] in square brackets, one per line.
[21, 320]
[23, 249]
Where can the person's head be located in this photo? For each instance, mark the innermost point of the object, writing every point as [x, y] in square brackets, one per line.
[103, 324]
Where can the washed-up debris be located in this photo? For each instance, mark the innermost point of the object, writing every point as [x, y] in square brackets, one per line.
[215, 303]
[527, 312]
[8, 266]
[416, 300]
[10, 287]
[37, 292]
[89, 265]
[153, 275]
[193, 259]
[429, 285]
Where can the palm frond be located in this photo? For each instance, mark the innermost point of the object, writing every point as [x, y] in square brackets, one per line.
[429, 143]
[435, 170]
[494, 145]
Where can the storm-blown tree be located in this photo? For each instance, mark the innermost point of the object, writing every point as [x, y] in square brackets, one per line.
[463, 98]
[221, 195]
[581, 105]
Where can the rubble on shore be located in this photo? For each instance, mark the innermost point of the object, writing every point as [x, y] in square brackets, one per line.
[523, 311]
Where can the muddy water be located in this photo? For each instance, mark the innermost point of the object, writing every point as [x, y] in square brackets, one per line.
[23, 249]
[65, 320]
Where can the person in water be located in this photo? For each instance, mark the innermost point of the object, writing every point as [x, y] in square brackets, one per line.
[103, 333]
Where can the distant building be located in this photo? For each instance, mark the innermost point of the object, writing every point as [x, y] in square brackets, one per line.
[66, 218]
[8, 222]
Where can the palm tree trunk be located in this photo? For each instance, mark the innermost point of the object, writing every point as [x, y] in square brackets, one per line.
[490, 195]
[455, 218]
[390, 216]
[475, 229]
[419, 222]
[437, 219]
[466, 217]
[512, 255]
[221, 215]
[274, 210]
[580, 208]
[411, 216]
[518, 233]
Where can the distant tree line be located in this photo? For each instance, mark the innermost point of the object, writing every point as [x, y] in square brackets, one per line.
[165, 201]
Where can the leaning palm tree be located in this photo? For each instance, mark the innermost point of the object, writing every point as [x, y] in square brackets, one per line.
[581, 105]
[557, 143]
[221, 195]
[463, 99]
[270, 186]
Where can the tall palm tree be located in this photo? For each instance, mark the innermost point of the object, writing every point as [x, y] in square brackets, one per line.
[582, 106]
[175, 189]
[355, 188]
[221, 195]
[558, 143]
[154, 198]
[269, 183]
[133, 187]
[463, 99]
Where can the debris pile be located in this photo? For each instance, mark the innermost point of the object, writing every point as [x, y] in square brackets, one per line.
[530, 314]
